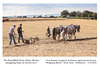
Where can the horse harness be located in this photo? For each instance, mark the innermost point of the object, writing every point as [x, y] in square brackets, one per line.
[74, 28]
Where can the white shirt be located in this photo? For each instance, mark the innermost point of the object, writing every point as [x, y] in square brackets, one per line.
[11, 30]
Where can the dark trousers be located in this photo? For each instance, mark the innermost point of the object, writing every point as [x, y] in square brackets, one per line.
[20, 35]
[49, 34]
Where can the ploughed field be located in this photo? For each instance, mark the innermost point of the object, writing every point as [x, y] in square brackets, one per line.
[84, 46]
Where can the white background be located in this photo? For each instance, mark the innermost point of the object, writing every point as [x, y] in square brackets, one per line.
[42, 59]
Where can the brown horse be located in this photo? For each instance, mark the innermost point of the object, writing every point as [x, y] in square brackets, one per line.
[56, 31]
[59, 31]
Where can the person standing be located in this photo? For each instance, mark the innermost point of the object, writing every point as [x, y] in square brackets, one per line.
[20, 33]
[11, 35]
[48, 30]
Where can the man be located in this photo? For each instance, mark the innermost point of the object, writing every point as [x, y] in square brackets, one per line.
[48, 30]
[20, 33]
[11, 35]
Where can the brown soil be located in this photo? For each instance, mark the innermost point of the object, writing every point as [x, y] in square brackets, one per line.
[84, 46]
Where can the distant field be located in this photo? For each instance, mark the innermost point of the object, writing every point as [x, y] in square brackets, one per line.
[35, 19]
[83, 47]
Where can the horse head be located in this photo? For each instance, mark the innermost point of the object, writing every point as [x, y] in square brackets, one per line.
[78, 28]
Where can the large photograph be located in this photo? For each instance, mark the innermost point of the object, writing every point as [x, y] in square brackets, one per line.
[49, 30]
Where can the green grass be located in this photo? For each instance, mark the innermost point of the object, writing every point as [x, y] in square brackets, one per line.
[83, 18]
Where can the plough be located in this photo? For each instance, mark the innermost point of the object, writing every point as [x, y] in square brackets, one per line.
[31, 40]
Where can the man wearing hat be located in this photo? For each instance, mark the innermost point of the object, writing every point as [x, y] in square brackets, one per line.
[11, 35]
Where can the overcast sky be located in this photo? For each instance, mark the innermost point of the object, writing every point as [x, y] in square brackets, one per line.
[38, 9]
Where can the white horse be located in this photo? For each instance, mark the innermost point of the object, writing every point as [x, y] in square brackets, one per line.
[64, 32]
[71, 30]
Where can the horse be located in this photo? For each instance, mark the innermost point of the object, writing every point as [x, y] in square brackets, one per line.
[64, 31]
[56, 31]
[71, 30]
[61, 31]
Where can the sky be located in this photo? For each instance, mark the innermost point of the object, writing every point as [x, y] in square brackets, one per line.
[43, 9]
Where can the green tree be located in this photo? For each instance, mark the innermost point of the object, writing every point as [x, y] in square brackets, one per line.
[78, 14]
[64, 16]
[86, 13]
[24, 16]
[73, 14]
[51, 16]
[89, 15]
[94, 15]
[65, 12]
[89, 12]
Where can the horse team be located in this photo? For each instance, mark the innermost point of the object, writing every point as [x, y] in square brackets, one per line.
[64, 31]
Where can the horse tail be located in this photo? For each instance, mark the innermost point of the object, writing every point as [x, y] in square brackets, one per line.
[53, 33]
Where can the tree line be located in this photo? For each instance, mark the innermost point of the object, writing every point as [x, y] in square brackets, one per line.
[81, 15]
[66, 14]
